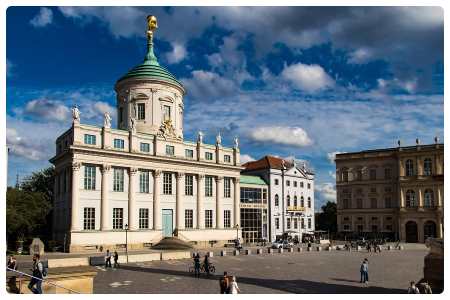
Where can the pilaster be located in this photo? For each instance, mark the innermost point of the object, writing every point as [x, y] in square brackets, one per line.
[179, 202]
[75, 197]
[219, 196]
[105, 215]
[200, 209]
[132, 219]
[156, 200]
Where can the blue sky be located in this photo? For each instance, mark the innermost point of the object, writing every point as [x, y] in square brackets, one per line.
[293, 82]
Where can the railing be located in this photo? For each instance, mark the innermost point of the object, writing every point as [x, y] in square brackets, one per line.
[43, 280]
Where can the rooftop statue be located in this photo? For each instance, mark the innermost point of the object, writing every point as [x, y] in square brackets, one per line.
[152, 26]
[107, 120]
[76, 114]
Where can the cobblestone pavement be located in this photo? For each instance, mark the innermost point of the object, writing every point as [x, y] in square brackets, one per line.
[307, 272]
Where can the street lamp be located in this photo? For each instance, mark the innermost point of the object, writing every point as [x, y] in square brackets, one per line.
[126, 240]
[237, 232]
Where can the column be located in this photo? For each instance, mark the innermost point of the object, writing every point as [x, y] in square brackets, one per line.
[439, 196]
[439, 233]
[179, 203]
[237, 200]
[438, 166]
[156, 200]
[401, 168]
[219, 208]
[419, 166]
[105, 215]
[75, 189]
[420, 197]
[132, 222]
[402, 198]
[200, 191]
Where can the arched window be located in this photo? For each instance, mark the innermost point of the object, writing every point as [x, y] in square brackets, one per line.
[359, 174]
[288, 200]
[410, 198]
[427, 166]
[309, 202]
[409, 167]
[276, 200]
[428, 198]
[295, 201]
[302, 202]
[345, 175]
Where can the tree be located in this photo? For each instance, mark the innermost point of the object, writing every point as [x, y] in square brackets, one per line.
[327, 218]
[41, 182]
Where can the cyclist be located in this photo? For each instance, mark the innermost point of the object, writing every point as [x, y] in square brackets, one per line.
[197, 265]
[206, 263]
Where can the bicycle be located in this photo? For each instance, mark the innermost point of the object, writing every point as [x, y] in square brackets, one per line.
[211, 267]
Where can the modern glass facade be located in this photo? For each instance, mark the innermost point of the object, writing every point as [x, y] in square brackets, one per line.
[253, 212]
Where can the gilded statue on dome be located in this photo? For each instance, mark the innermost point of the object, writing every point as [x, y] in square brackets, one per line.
[152, 26]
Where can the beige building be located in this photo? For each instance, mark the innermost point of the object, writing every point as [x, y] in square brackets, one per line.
[395, 192]
[143, 177]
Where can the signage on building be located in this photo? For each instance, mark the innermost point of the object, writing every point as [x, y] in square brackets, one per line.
[252, 205]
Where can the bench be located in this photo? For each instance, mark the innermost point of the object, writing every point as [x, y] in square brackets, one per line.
[96, 260]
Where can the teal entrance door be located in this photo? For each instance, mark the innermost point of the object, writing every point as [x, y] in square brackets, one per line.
[167, 222]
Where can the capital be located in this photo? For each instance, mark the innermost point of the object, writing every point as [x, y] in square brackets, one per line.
[76, 165]
[132, 171]
[180, 175]
[218, 178]
[106, 168]
[157, 173]
[201, 176]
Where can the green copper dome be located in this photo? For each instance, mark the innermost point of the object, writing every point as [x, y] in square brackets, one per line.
[150, 69]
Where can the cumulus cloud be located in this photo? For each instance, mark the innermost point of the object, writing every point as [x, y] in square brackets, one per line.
[327, 191]
[206, 85]
[309, 78]
[43, 18]
[332, 174]
[177, 54]
[332, 156]
[47, 109]
[290, 136]
[23, 147]
[360, 56]
[246, 158]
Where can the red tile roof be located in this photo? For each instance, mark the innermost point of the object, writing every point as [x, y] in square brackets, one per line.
[267, 162]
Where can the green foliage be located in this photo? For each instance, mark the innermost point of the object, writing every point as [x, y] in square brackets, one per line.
[327, 218]
[26, 212]
[41, 182]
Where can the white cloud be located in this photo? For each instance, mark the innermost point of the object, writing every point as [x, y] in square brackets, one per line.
[332, 174]
[309, 78]
[246, 158]
[332, 156]
[327, 191]
[291, 136]
[177, 54]
[360, 56]
[47, 109]
[43, 18]
[204, 85]
[24, 147]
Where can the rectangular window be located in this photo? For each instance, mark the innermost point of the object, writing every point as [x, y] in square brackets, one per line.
[208, 218]
[276, 181]
[301, 184]
[143, 218]
[189, 218]
[119, 143]
[302, 223]
[288, 183]
[345, 203]
[118, 180]
[359, 203]
[227, 187]
[227, 218]
[309, 186]
[387, 173]
[309, 223]
[145, 147]
[373, 174]
[144, 177]
[208, 156]
[295, 224]
[117, 218]
[90, 139]
[189, 185]
[141, 111]
[170, 150]
[167, 184]
[373, 202]
[295, 183]
[208, 186]
[189, 153]
[227, 158]
[166, 112]
[277, 223]
[288, 223]
[89, 218]
[89, 177]
[387, 202]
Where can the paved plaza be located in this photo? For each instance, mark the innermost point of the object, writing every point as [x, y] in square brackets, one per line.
[307, 272]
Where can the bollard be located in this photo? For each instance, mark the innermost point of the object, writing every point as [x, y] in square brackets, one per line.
[300, 249]
[248, 252]
[291, 250]
[309, 249]
[236, 252]
[401, 248]
[358, 248]
[318, 248]
[259, 251]
[270, 250]
[223, 253]
[210, 254]
[389, 247]
[280, 250]
[329, 248]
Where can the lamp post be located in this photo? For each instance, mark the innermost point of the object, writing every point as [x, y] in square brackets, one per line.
[126, 240]
[237, 232]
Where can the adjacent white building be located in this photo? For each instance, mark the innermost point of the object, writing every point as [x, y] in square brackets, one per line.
[143, 177]
[291, 195]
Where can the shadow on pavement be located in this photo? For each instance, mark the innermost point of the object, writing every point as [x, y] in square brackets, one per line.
[290, 286]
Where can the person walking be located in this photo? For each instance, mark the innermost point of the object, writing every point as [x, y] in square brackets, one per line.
[224, 283]
[108, 259]
[12, 262]
[364, 270]
[413, 288]
[38, 274]
[206, 263]
[116, 259]
[197, 265]
[234, 289]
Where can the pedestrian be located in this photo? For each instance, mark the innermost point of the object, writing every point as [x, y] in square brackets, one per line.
[38, 275]
[116, 259]
[108, 259]
[364, 270]
[206, 263]
[426, 288]
[413, 288]
[197, 265]
[12, 262]
[224, 283]
[234, 289]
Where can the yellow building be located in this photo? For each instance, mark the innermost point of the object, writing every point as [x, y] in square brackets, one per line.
[394, 192]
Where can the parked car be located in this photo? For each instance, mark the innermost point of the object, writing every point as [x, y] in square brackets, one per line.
[282, 244]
